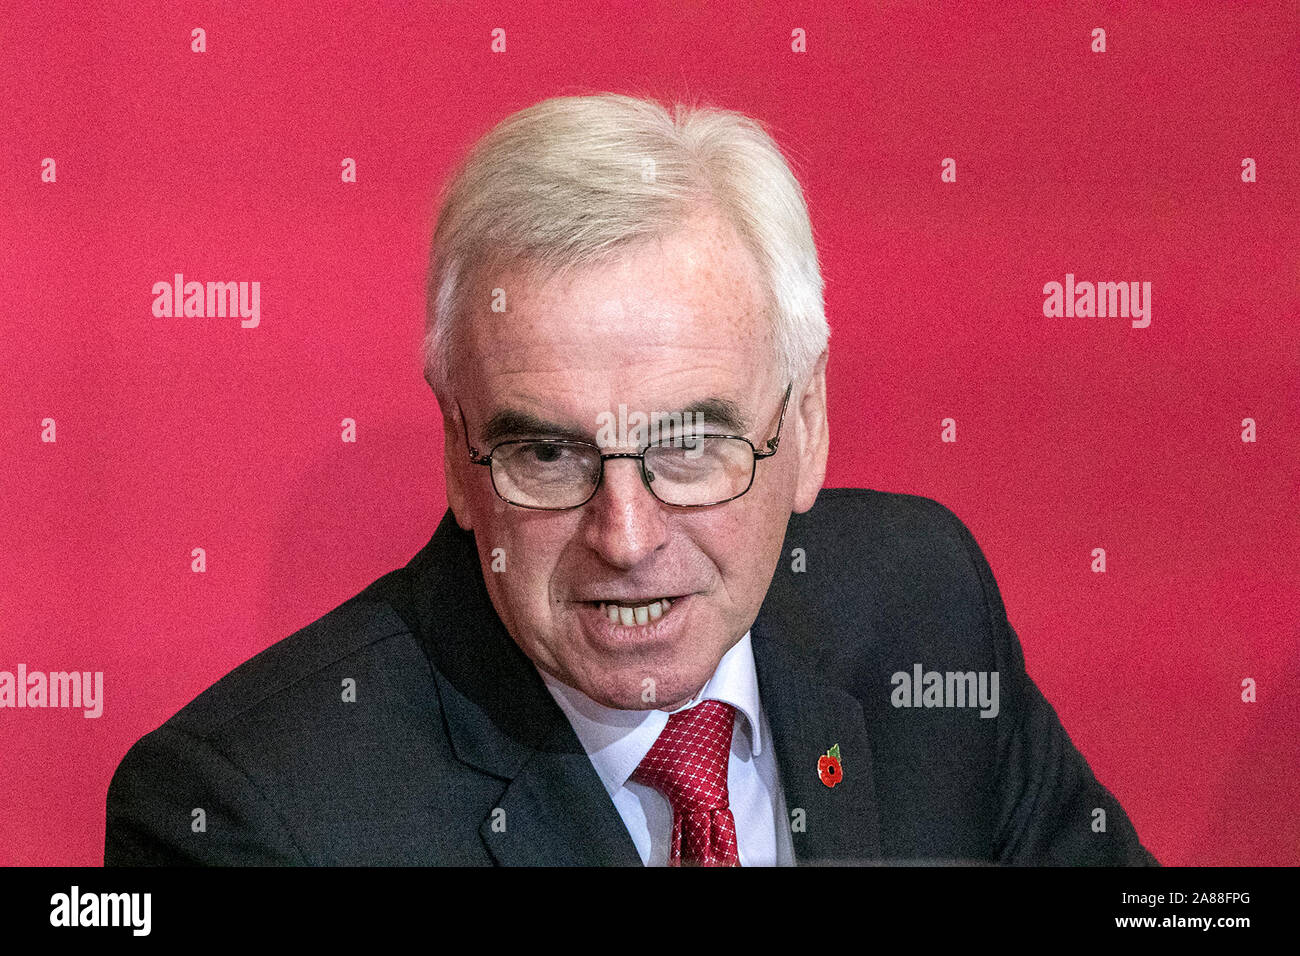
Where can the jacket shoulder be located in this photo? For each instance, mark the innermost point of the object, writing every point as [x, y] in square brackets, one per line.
[318, 749]
[891, 514]
[289, 668]
[870, 551]
[886, 581]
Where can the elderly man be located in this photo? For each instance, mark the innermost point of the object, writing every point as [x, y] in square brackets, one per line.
[661, 643]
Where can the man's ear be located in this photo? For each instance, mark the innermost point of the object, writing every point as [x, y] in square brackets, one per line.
[455, 458]
[814, 436]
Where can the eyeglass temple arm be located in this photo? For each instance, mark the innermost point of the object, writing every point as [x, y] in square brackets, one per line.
[474, 456]
[774, 442]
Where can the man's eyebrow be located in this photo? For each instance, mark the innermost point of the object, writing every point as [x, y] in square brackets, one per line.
[511, 423]
[718, 414]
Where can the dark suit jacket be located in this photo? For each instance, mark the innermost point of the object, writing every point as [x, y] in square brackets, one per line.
[452, 722]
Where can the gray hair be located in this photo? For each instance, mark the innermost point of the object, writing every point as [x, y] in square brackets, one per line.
[574, 179]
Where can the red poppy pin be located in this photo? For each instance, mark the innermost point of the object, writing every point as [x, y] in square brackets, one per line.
[828, 767]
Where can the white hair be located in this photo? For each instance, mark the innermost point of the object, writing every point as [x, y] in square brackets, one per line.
[573, 179]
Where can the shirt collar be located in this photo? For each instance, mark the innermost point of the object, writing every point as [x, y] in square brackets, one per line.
[618, 740]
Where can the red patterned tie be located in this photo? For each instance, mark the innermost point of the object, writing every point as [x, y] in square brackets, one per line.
[688, 765]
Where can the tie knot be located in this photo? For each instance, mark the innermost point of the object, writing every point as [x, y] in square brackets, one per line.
[688, 762]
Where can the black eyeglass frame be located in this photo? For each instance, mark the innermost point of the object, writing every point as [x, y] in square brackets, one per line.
[486, 460]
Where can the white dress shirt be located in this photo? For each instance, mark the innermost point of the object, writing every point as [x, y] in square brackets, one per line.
[618, 740]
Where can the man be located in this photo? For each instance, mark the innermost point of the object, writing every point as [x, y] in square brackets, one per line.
[643, 634]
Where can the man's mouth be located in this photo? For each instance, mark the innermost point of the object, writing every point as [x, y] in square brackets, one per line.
[633, 613]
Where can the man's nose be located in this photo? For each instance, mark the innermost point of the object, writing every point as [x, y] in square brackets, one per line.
[624, 522]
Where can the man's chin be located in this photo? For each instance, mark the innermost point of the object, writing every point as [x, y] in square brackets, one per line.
[638, 693]
[648, 672]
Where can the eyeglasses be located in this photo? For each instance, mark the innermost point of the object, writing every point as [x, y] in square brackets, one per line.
[684, 471]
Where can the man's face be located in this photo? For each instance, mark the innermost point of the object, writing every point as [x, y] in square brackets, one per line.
[672, 322]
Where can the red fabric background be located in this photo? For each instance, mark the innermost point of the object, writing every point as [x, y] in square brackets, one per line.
[1073, 433]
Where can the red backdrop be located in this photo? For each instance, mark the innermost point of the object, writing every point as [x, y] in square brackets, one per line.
[1073, 433]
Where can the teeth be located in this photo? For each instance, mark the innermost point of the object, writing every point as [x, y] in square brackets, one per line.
[641, 614]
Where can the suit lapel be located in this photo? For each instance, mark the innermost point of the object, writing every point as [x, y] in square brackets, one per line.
[557, 812]
[502, 720]
[809, 714]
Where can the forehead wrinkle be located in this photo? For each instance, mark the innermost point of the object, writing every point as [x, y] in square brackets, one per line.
[711, 307]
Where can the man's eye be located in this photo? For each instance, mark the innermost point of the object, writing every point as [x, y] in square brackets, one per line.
[548, 454]
[554, 458]
[690, 442]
